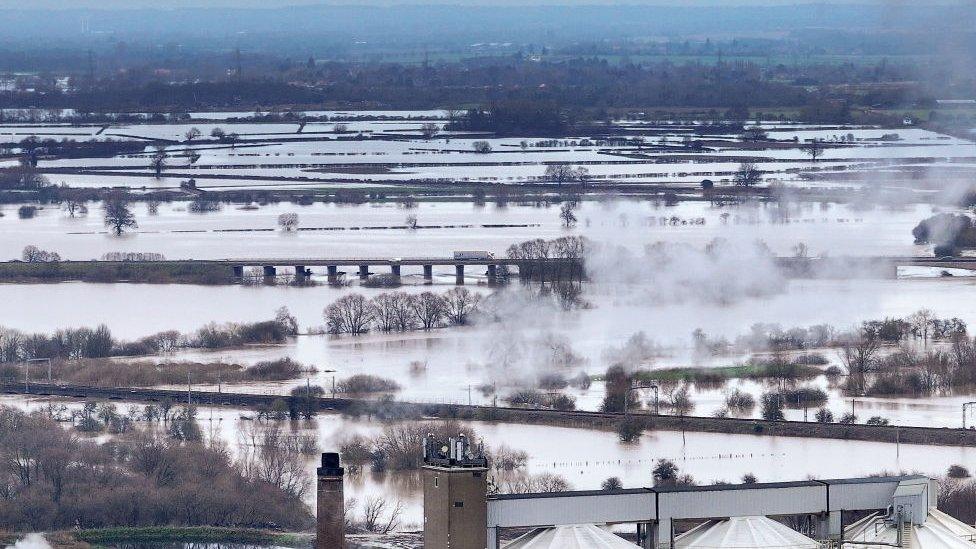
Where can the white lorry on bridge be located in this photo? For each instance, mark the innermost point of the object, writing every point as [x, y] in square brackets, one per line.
[468, 255]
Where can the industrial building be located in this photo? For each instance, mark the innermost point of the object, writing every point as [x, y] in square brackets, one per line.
[853, 513]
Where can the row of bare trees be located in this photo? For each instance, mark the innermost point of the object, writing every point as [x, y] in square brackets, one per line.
[566, 247]
[50, 478]
[400, 311]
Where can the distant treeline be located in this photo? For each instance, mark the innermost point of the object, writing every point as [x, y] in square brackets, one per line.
[542, 96]
[79, 343]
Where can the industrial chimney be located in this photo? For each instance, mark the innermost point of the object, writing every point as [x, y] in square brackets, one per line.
[331, 517]
[455, 494]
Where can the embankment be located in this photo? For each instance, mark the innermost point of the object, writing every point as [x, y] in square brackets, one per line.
[579, 419]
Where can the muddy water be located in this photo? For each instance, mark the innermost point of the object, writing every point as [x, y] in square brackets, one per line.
[179, 234]
[450, 364]
[587, 457]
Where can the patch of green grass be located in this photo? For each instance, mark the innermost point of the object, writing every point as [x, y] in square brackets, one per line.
[195, 534]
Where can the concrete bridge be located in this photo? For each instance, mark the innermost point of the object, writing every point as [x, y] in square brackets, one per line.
[495, 269]
[364, 267]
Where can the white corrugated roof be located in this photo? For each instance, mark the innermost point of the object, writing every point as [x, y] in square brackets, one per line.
[577, 536]
[940, 531]
[744, 533]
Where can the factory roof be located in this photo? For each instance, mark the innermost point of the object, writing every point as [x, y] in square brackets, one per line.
[940, 531]
[744, 533]
[579, 536]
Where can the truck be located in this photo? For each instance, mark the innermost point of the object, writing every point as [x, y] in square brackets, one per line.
[467, 255]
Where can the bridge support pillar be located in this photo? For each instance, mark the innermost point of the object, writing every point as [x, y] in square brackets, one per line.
[829, 525]
[663, 533]
[301, 273]
[270, 271]
[363, 272]
[493, 538]
[395, 271]
[492, 274]
[646, 532]
[238, 271]
[333, 271]
[428, 273]
[459, 275]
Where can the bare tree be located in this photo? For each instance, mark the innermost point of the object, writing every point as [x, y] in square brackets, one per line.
[747, 175]
[429, 308]
[402, 308]
[379, 517]
[118, 216]
[350, 314]
[33, 254]
[920, 322]
[481, 147]
[75, 207]
[814, 149]
[560, 173]
[288, 221]
[429, 130]
[567, 215]
[191, 156]
[276, 458]
[192, 134]
[158, 160]
[411, 221]
[218, 133]
[384, 311]
[459, 302]
[859, 355]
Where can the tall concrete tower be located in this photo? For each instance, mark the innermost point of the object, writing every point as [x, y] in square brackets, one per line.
[330, 530]
[455, 495]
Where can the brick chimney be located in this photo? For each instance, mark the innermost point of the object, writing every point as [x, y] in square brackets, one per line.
[330, 508]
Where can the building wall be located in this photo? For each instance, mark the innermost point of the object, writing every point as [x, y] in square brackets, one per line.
[573, 509]
[455, 508]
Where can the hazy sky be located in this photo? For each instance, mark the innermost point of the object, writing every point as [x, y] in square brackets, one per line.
[123, 4]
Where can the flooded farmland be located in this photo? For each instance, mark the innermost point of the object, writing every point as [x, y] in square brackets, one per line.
[671, 302]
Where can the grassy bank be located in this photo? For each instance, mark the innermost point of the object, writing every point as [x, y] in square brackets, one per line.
[161, 272]
[199, 534]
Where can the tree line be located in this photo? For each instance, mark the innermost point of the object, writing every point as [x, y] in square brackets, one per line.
[98, 342]
[51, 478]
[400, 311]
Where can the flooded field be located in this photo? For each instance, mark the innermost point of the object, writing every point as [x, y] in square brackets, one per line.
[329, 230]
[390, 150]
[455, 364]
[672, 300]
[707, 457]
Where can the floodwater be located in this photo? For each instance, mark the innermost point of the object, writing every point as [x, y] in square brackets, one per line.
[825, 228]
[707, 457]
[392, 151]
[449, 365]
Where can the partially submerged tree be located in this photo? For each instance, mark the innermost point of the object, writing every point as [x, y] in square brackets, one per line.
[747, 175]
[118, 216]
[428, 130]
[481, 147]
[158, 160]
[814, 149]
[288, 221]
[567, 216]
